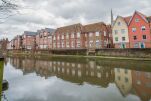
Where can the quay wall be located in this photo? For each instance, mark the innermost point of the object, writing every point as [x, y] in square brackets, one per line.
[131, 52]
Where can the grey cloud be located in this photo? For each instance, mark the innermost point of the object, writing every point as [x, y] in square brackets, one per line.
[54, 13]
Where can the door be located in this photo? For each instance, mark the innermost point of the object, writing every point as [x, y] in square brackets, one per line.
[123, 46]
[142, 45]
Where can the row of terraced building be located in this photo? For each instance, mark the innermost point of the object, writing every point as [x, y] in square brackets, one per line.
[124, 32]
[77, 36]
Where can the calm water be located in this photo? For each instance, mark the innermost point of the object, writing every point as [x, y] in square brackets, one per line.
[67, 79]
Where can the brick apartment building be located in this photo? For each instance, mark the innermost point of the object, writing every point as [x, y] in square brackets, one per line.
[97, 36]
[68, 37]
[44, 38]
[3, 44]
[17, 44]
[28, 40]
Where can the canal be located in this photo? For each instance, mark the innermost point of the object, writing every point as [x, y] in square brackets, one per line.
[76, 79]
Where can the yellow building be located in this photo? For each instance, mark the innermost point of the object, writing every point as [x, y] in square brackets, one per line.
[120, 32]
[123, 80]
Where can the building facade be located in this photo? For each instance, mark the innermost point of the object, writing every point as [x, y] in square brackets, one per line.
[68, 37]
[139, 31]
[28, 40]
[44, 38]
[120, 32]
[96, 36]
[17, 42]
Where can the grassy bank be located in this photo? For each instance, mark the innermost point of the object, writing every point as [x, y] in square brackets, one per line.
[75, 56]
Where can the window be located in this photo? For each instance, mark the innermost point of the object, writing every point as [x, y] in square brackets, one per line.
[144, 37]
[136, 45]
[62, 44]
[119, 23]
[143, 28]
[72, 44]
[97, 33]
[135, 37]
[126, 79]
[119, 78]
[105, 43]
[104, 33]
[58, 37]
[126, 71]
[72, 35]
[116, 31]
[67, 44]
[67, 35]
[136, 20]
[123, 38]
[123, 31]
[116, 38]
[78, 44]
[54, 38]
[62, 36]
[138, 82]
[97, 43]
[78, 35]
[133, 29]
[90, 34]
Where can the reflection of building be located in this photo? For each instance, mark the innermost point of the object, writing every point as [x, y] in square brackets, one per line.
[76, 72]
[123, 80]
[142, 84]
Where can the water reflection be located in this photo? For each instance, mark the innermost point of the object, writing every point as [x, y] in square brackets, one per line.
[132, 83]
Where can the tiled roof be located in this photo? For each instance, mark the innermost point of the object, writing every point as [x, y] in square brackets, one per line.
[70, 28]
[30, 33]
[127, 19]
[50, 30]
[94, 27]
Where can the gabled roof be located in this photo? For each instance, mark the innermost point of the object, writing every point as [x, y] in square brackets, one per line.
[94, 27]
[144, 17]
[70, 28]
[126, 19]
[29, 33]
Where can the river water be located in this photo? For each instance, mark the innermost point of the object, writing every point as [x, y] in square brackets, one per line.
[77, 79]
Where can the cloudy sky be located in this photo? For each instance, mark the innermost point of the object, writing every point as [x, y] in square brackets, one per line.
[37, 14]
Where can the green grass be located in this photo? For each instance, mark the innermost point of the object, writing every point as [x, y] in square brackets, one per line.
[1, 77]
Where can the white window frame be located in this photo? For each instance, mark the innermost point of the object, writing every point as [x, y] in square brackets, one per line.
[143, 28]
[78, 35]
[134, 29]
[97, 34]
[105, 33]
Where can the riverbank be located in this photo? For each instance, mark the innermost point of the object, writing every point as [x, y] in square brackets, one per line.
[75, 56]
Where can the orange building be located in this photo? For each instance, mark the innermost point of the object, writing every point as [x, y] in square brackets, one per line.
[141, 82]
[139, 31]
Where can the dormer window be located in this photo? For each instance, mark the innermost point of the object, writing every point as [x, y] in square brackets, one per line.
[136, 20]
[143, 28]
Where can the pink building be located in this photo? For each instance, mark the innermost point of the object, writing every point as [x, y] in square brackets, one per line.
[28, 40]
[17, 42]
[44, 38]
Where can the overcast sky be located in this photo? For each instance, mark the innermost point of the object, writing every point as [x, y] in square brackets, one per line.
[37, 14]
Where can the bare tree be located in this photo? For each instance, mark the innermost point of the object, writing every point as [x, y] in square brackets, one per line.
[7, 8]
